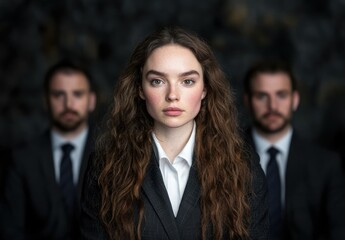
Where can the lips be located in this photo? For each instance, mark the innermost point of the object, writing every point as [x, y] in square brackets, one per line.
[69, 115]
[172, 111]
[272, 115]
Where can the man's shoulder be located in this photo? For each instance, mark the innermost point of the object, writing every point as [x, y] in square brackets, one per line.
[29, 149]
[36, 140]
[307, 146]
[315, 155]
[247, 135]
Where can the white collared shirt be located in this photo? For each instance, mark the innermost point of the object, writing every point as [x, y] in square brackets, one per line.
[175, 173]
[76, 155]
[283, 145]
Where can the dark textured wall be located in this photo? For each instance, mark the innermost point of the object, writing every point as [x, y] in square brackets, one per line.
[34, 34]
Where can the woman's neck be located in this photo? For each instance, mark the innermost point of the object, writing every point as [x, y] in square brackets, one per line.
[173, 140]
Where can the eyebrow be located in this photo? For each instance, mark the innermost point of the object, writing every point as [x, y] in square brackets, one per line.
[191, 72]
[63, 90]
[276, 92]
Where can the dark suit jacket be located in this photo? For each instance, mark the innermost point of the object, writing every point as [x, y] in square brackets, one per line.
[315, 193]
[32, 204]
[5, 156]
[159, 220]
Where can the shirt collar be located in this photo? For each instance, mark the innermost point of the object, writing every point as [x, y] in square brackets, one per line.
[58, 139]
[187, 151]
[282, 144]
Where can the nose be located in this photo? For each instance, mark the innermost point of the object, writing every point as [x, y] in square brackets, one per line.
[172, 93]
[272, 103]
[69, 102]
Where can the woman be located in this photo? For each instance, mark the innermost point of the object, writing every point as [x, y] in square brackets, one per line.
[171, 164]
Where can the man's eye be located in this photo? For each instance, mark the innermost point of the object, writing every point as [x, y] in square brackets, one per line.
[283, 95]
[260, 96]
[78, 94]
[56, 94]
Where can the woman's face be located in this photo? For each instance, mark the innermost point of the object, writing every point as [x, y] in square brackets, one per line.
[172, 86]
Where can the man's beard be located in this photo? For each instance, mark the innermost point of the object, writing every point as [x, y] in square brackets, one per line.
[67, 127]
[265, 129]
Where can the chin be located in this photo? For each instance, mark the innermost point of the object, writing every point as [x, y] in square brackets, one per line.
[174, 124]
[275, 129]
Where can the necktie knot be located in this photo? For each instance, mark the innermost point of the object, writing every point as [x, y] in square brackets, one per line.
[67, 148]
[272, 151]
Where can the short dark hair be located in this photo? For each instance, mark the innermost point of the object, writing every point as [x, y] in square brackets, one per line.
[66, 66]
[268, 66]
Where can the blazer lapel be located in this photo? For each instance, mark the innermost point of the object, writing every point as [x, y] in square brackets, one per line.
[88, 148]
[47, 163]
[249, 138]
[46, 159]
[190, 198]
[295, 166]
[157, 195]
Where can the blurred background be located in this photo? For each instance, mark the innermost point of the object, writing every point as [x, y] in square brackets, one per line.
[309, 33]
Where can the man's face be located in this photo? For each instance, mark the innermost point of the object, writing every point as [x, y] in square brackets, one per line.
[272, 102]
[70, 101]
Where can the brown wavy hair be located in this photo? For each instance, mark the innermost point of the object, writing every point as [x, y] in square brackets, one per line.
[125, 148]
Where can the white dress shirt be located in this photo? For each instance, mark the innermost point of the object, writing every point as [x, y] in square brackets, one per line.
[175, 172]
[283, 145]
[76, 154]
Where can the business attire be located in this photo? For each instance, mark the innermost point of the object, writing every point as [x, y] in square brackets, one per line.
[5, 156]
[313, 188]
[159, 221]
[33, 203]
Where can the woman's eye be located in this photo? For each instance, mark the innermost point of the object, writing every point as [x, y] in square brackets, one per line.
[188, 82]
[156, 82]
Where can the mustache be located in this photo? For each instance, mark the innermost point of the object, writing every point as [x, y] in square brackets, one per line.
[69, 111]
[273, 113]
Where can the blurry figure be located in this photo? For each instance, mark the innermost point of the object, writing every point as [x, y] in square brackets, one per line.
[5, 156]
[43, 182]
[332, 134]
[172, 164]
[306, 185]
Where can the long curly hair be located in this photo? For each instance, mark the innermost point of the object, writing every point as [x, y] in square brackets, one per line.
[125, 148]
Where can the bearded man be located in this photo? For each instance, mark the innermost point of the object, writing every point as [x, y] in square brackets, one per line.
[306, 185]
[43, 182]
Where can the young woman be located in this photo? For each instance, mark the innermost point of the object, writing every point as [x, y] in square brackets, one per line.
[171, 164]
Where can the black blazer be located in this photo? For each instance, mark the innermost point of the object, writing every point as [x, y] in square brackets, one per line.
[159, 220]
[32, 206]
[315, 193]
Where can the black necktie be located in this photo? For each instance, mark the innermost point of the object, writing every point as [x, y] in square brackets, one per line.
[274, 195]
[66, 177]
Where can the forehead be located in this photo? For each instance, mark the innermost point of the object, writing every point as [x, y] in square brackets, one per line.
[271, 82]
[69, 81]
[172, 57]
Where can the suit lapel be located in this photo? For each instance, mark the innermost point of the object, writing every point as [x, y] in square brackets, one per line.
[88, 148]
[45, 158]
[46, 161]
[190, 198]
[294, 164]
[157, 195]
[295, 169]
[45, 155]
